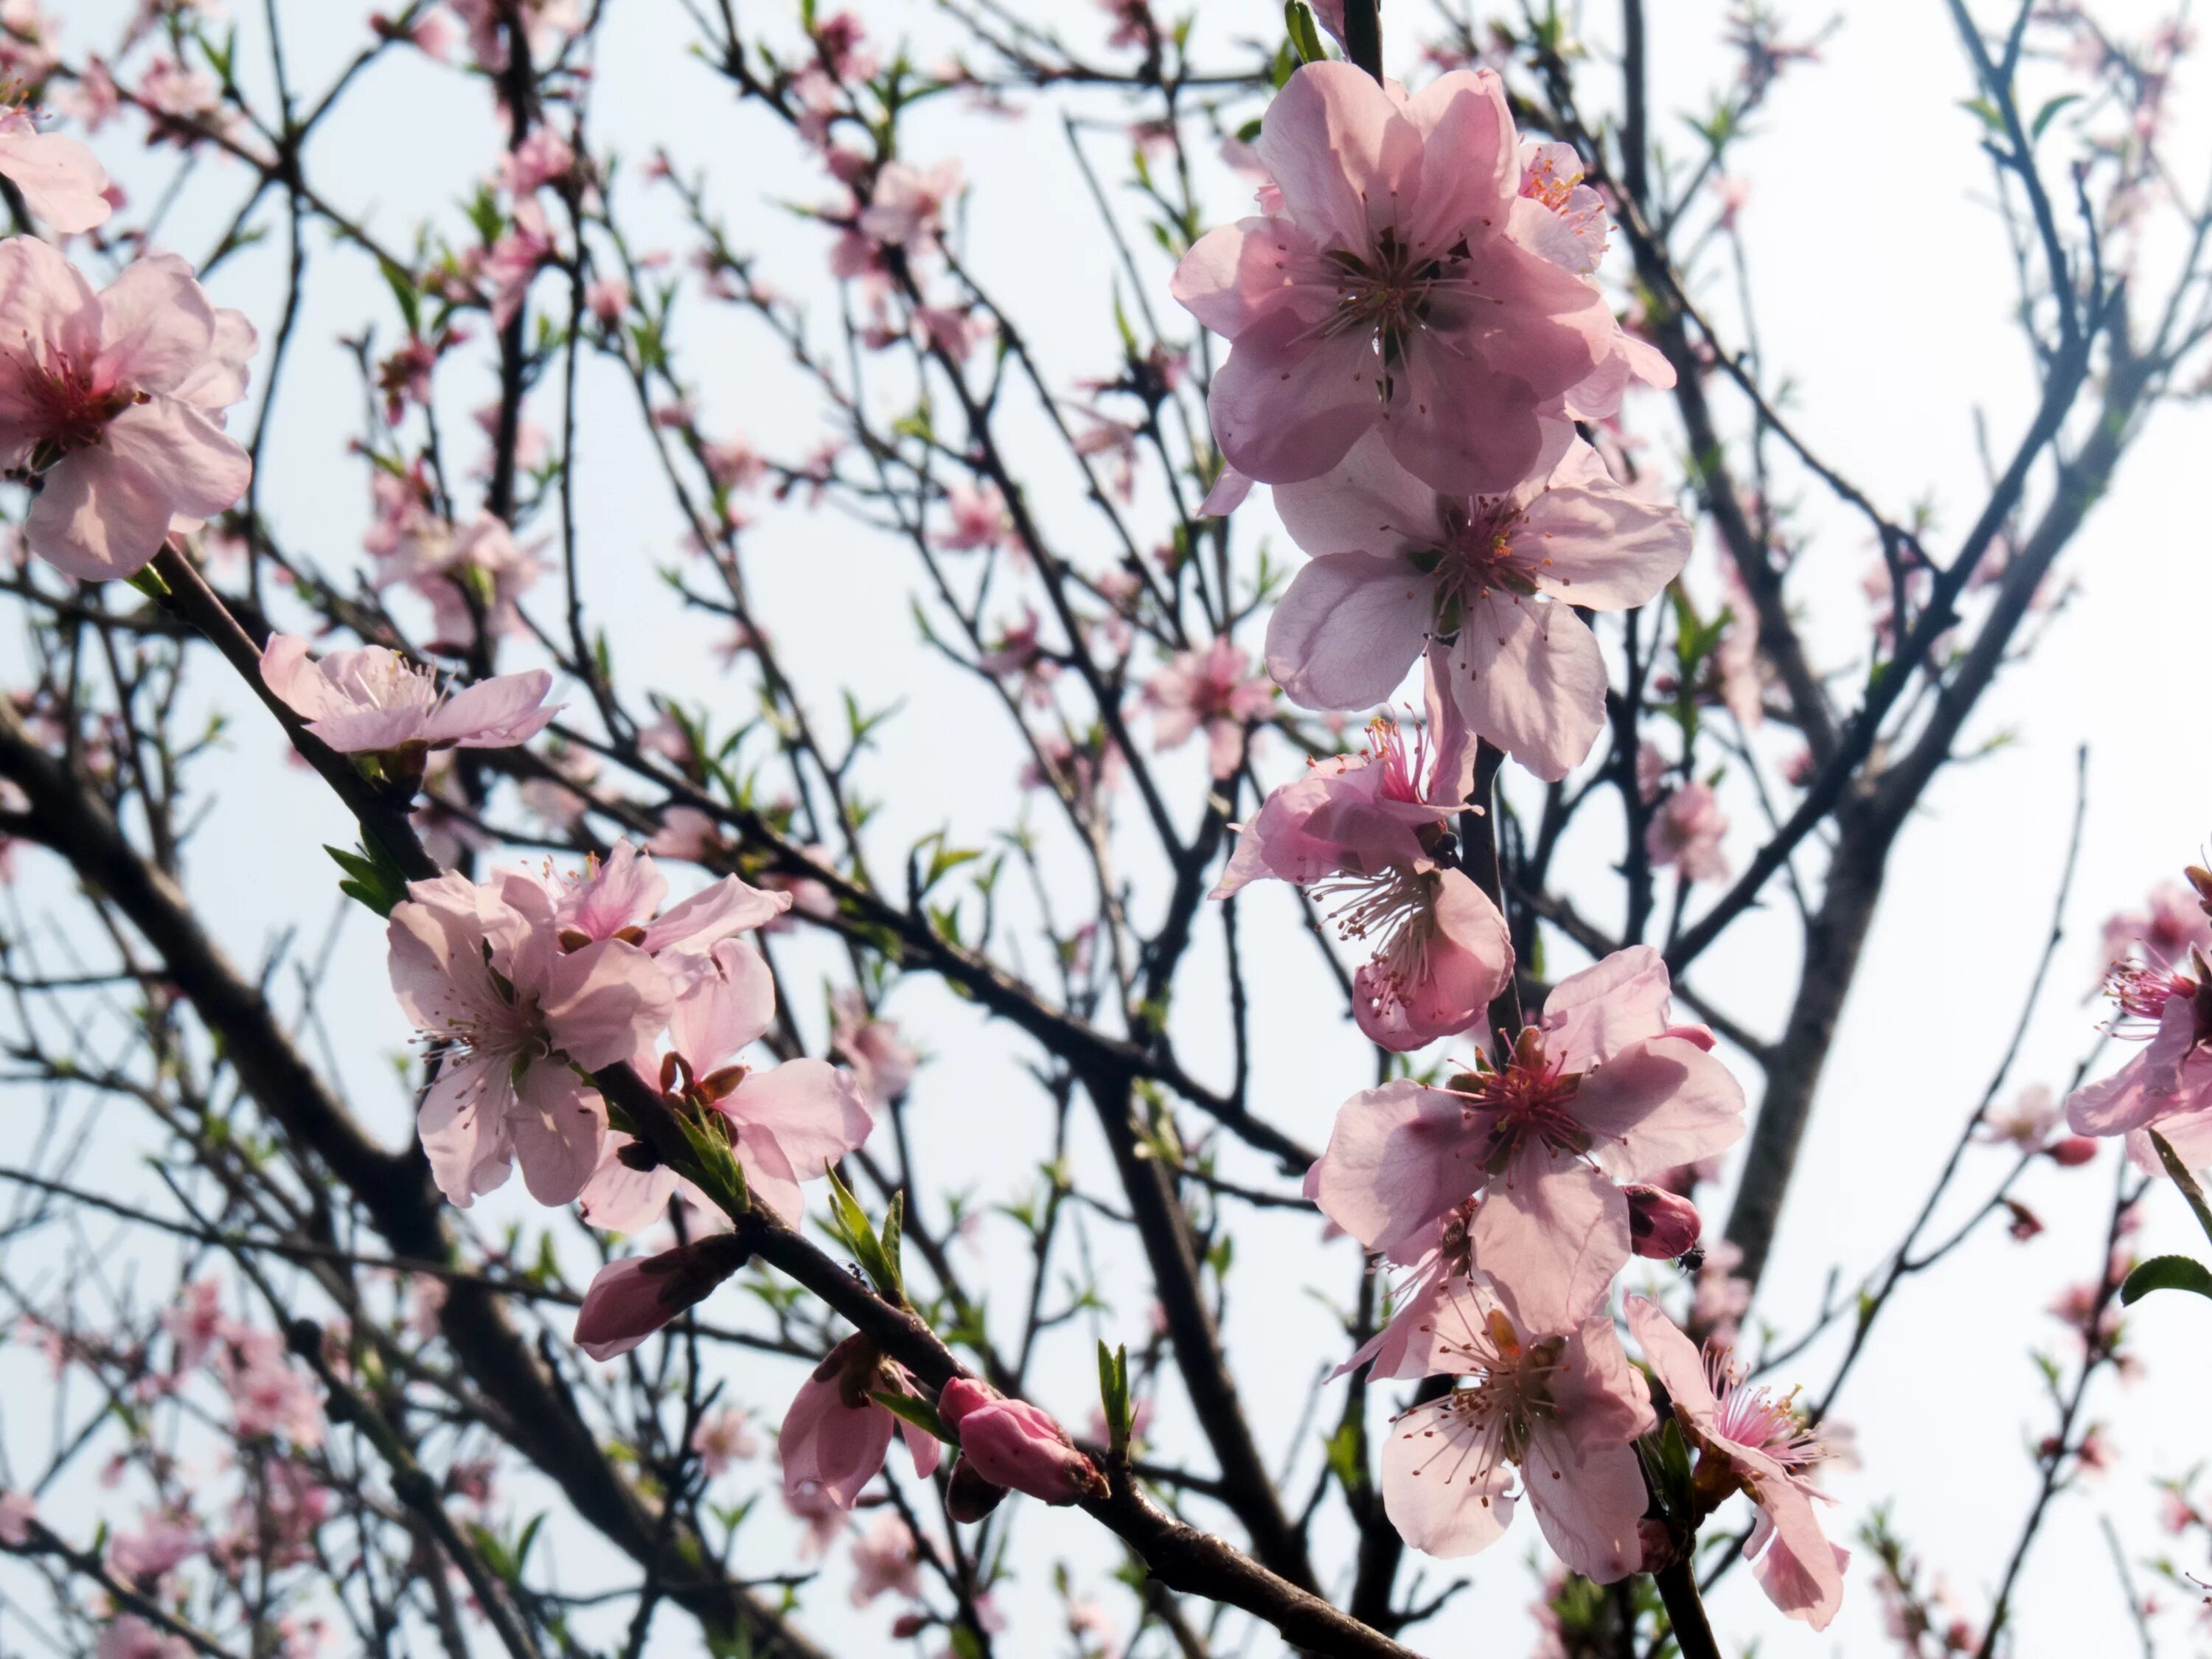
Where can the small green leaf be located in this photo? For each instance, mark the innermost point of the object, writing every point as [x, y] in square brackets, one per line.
[2166, 1273]
[2043, 116]
[915, 1410]
[1305, 32]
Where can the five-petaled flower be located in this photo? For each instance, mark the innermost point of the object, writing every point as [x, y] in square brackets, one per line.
[372, 701]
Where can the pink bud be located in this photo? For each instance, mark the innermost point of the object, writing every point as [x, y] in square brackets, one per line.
[2026, 1224]
[909, 1625]
[607, 299]
[1012, 1444]
[630, 1299]
[2072, 1153]
[1661, 1224]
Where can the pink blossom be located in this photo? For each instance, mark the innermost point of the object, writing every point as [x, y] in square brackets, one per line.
[630, 1299]
[161, 1545]
[2026, 1124]
[372, 701]
[509, 264]
[268, 1396]
[882, 1062]
[115, 401]
[546, 23]
[1767, 1449]
[196, 1321]
[477, 566]
[724, 1438]
[1014, 1445]
[607, 299]
[1020, 652]
[1403, 285]
[127, 1636]
[1736, 661]
[2161, 934]
[1686, 832]
[1556, 1399]
[787, 1123]
[1487, 587]
[907, 204]
[688, 835]
[885, 1558]
[1604, 1090]
[979, 521]
[482, 968]
[1661, 1225]
[619, 897]
[61, 181]
[19, 1513]
[1359, 832]
[542, 158]
[834, 1435]
[2167, 1085]
[734, 465]
[1211, 688]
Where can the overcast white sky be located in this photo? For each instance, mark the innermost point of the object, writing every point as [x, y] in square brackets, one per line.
[1883, 288]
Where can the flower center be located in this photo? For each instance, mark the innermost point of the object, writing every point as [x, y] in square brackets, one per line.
[1488, 1420]
[1395, 909]
[1530, 1101]
[1759, 1419]
[74, 412]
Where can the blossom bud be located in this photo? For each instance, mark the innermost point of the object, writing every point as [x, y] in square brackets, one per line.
[630, 1299]
[2026, 1224]
[1661, 1224]
[908, 1625]
[2071, 1153]
[968, 1496]
[1012, 1444]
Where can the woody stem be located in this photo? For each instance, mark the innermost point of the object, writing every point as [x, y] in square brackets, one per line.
[1685, 1611]
[1477, 857]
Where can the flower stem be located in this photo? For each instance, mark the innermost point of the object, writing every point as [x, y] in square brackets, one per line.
[1363, 35]
[1477, 857]
[1685, 1613]
[2183, 1179]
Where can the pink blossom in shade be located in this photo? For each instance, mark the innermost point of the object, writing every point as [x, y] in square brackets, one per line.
[2026, 1124]
[1603, 1090]
[787, 1123]
[62, 181]
[1686, 832]
[1768, 1450]
[724, 1438]
[196, 1321]
[1486, 587]
[1357, 832]
[834, 1436]
[481, 969]
[452, 566]
[522, 250]
[373, 701]
[884, 1560]
[2167, 1084]
[19, 1513]
[823, 1517]
[1020, 653]
[127, 1636]
[630, 1299]
[115, 401]
[733, 465]
[907, 205]
[1402, 287]
[979, 520]
[687, 834]
[607, 299]
[161, 1544]
[883, 1063]
[268, 1395]
[1555, 1400]
[1014, 1445]
[546, 22]
[1226, 495]
[1214, 689]
[1552, 177]
[2171, 923]
[542, 158]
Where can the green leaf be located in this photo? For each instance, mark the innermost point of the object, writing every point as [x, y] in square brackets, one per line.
[372, 877]
[2043, 116]
[861, 1238]
[1305, 32]
[894, 1225]
[1114, 1395]
[915, 1410]
[2166, 1273]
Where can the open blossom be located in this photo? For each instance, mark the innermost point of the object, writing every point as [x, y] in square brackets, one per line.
[2167, 1085]
[114, 401]
[883, 1062]
[786, 1123]
[909, 202]
[1686, 832]
[884, 1560]
[1402, 286]
[463, 569]
[724, 1438]
[836, 1436]
[1361, 834]
[1604, 1090]
[1486, 585]
[979, 520]
[62, 181]
[372, 701]
[484, 967]
[2161, 933]
[1014, 1445]
[1766, 1450]
[1551, 1398]
[1214, 689]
